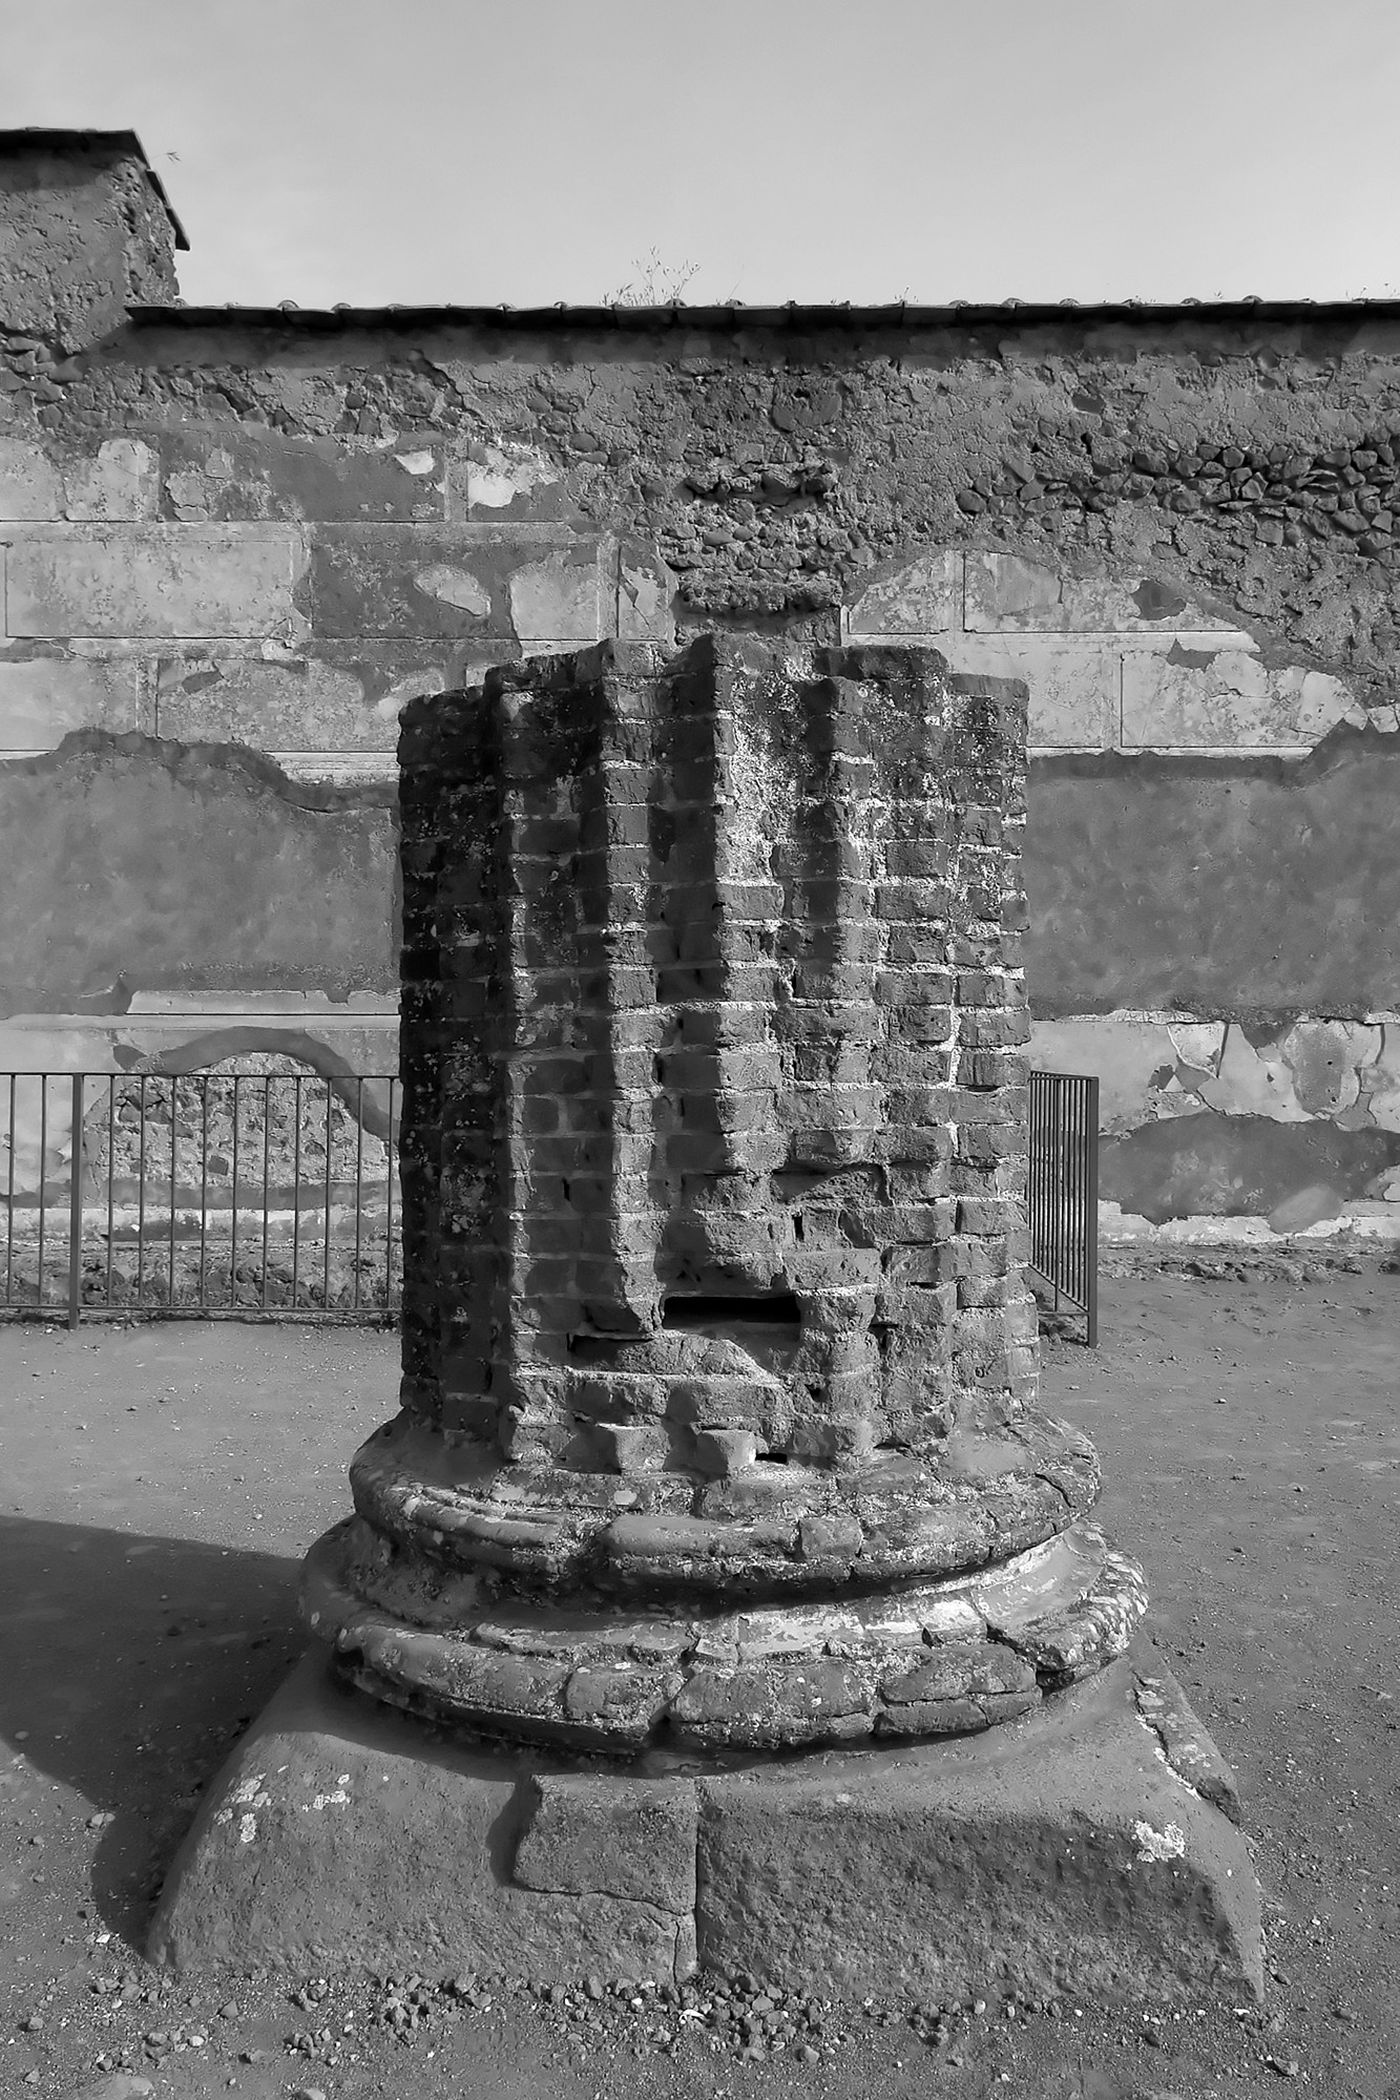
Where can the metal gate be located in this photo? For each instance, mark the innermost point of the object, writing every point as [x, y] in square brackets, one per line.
[276, 1195]
[200, 1194]
[1062, 1193]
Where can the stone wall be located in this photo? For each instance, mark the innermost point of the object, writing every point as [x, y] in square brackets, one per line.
[236, 544]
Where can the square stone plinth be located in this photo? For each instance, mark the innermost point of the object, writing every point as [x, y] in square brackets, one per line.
[1090, 1849]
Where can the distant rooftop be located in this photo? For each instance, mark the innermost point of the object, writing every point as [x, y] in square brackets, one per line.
[117, 143]
[795, 314]
[732, 314]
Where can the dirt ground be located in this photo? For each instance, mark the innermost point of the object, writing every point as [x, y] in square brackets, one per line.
[160, 1482]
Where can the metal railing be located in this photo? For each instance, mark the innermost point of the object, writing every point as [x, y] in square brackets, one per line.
[276, 1194]
[202, 1194]
[1062, 1191]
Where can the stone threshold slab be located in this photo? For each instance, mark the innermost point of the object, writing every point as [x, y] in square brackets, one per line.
[1092, 1848]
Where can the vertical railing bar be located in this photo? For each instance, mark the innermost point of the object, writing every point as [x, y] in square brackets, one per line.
[1072, 1208]
[1040, 1190]
[1046, 1176]
[326, 1245]
[203, 1297]
[1032, 1108]
[359, 1185]
[1037, 1172]
[141, 1189]
[1086, 1234]
[296, 1189]
[267, 1178]
[1079, 1181]
[1030, 1164]
[174, 1182]
[43, 1171]
[389, 1211]
[1091, 1234]
[75, 1210]
[1068, 1166]
[1077, 1249]
[1047, 1179]
[1059, 1177]
[10, 1200]
[233, 1215]
[1085, 1198]
[111, 1181]
[1048, 1223]
[1079, 1187]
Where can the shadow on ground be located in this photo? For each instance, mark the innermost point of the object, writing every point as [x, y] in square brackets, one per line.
[128, 1666]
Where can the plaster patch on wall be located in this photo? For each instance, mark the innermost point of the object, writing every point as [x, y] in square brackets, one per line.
[645, 592]
[47, 690]
[1329, 1061]
[1005, 591]
[268, 473]
[1110, 663]
[1198, 1043]
[505, 472]
[920, 597]
[118, 484]
[1251, 1082]
[1119, 1226]
[555, 600]
[454, 587]
[153, 582]
[1221, 697]
[1133, 1057]
[1334, 1085]
[1383, 1081]
[1311, 1069]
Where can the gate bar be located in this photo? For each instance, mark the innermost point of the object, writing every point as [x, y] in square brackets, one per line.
[75, 1210]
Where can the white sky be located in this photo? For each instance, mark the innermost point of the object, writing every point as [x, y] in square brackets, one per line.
[472, 151]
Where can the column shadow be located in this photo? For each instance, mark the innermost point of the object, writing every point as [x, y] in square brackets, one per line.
[129, 1665]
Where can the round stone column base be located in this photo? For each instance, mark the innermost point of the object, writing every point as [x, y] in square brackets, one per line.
[929, 1659]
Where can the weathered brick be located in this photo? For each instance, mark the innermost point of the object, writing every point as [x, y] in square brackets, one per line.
[992, 1028]
[992, 1068]
[981, 988]
[985, 1216]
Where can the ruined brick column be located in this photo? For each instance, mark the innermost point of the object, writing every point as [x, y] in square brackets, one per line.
[719, 1422]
